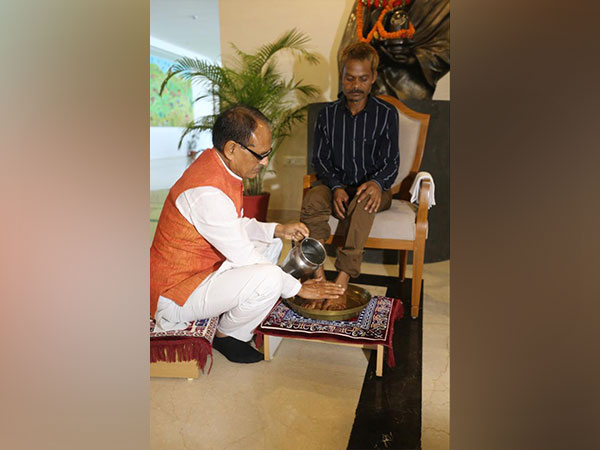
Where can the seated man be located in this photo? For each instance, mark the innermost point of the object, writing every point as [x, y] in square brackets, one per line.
[207, 260]
[356, 159]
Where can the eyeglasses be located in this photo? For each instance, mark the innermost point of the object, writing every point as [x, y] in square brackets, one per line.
[256, 155]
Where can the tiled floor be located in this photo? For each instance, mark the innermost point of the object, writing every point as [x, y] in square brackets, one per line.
[436, 357]
[299, 400]
[305, 398]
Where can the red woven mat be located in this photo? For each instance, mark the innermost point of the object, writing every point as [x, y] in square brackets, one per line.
[373, 326]
[192, 344]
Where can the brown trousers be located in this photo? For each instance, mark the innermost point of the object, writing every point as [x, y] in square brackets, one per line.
[316, 209]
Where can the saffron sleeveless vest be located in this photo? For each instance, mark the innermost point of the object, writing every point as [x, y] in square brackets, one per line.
[180, 258]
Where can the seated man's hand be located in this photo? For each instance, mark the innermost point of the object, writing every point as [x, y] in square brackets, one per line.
[292, 231]
[370, 194]
[340, 202]
[318, 289]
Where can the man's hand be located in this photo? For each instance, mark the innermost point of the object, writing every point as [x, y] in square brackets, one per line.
[317, 289]
[292, 231]
[340, 202]
[369, 193]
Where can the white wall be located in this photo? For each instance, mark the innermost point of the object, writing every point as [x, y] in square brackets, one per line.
[442, 90]
[323, 21]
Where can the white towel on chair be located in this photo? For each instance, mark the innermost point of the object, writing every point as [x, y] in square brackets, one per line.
[416, 187]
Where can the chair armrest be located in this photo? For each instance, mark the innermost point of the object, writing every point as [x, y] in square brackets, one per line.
[422, 211]
[307, 181]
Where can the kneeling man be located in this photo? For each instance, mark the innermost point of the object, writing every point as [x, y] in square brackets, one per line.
[207, 260]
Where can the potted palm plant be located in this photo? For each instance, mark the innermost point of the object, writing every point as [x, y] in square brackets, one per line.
[252, 79]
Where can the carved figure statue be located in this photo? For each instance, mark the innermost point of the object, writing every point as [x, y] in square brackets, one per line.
[412, 38]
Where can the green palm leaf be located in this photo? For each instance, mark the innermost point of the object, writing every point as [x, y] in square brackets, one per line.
[253, 80]
[292, 40]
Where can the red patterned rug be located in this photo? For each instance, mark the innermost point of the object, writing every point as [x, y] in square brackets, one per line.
[373, 325]
[192, 344]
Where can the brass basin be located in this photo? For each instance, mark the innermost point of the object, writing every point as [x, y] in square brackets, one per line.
[357, 299]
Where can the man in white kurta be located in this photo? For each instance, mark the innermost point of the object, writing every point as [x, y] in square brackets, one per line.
[249, 272]
[247, 284]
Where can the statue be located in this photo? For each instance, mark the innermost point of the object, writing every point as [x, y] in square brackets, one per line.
[412, 38]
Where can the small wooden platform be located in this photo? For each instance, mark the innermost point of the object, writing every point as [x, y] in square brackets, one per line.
[179, 369]
[377, 347]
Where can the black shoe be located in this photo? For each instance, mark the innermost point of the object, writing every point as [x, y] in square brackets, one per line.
[237, 351]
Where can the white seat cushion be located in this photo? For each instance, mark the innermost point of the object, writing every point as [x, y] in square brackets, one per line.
[398, 222]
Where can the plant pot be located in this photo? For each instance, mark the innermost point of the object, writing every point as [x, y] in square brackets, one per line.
[255, 206]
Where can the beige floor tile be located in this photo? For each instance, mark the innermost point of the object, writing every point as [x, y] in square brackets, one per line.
[436, 420]
[306, 395]
[436, 358]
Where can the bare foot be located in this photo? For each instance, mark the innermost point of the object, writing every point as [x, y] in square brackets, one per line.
[335, 304]
[313, 304]
[319, 273]
[343, 278]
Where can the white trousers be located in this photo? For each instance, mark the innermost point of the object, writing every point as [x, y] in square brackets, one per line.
[242, 296]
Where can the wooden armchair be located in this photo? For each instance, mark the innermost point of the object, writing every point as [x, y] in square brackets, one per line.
[404, 226]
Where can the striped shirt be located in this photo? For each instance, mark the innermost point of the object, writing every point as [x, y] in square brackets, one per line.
[351, 150]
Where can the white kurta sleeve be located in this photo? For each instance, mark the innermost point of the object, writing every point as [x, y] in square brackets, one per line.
[259, 231]
[291, 286]
[214, 215]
